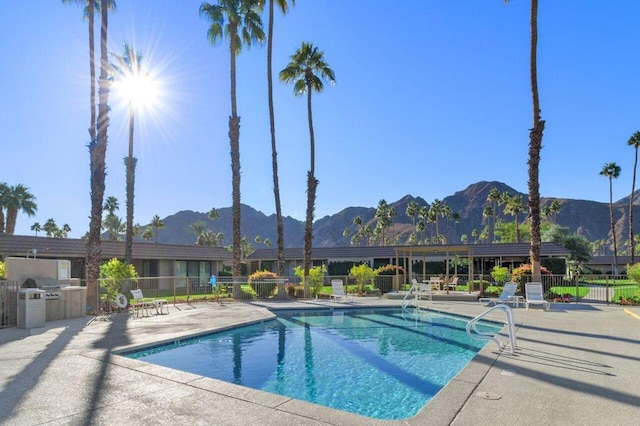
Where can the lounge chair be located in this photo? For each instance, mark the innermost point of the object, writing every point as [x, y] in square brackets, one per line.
[534, 296]
[145, 303]
[338, 293]
[508, 291]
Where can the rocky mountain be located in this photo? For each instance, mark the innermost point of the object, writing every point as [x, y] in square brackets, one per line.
[587, 218]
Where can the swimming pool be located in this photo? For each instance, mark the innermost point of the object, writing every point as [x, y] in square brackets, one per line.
[381, 363]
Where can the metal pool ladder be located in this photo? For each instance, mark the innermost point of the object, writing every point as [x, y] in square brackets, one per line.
[417, 292]
[483, 335]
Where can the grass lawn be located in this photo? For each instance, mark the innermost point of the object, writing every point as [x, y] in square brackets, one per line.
[573, 291]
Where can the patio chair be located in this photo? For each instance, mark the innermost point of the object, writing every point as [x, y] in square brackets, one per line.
[338, 294]
[453, 284]
[535, 296]
[508, 291]
[145, 303]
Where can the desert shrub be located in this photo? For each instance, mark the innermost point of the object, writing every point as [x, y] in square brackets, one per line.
[390, 270]
[521, 272]
[263, 283]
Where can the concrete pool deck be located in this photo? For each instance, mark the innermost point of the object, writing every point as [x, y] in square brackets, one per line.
[577, 364]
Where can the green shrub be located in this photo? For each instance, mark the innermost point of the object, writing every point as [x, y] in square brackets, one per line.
[633, 272]
[112, 273]
[316, 278]
[362, 274]
[500, 274]
[1, 269]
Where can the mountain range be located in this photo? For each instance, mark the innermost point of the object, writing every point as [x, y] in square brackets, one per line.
[587, 218]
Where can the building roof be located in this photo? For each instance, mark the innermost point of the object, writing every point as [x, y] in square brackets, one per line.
[547, 249]
[19, 245]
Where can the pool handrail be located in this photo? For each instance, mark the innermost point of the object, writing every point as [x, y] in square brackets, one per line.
[481, 335]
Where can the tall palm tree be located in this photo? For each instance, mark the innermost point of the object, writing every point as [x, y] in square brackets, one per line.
[36, 227]
[494, 197]
[157, 223]
[284, 7]
[514, 206]
[307, 70]
[633, 141]
[240, 21]
[535, 146]
[90, 7]
[612, 171]
[97, 155]
[17, 199]
[129, 65]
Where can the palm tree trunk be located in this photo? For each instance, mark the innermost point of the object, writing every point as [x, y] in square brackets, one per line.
[130, 164]
[535, 146]
[234, 141]
[613, 227]
[92, 73]
[98, 149]
[274, 152]
[312, 184]
[632, 246]
[12, 217]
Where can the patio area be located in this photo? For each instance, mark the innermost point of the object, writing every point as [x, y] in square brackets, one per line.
[576, 364]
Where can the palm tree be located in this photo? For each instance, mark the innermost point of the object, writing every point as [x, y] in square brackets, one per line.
[97, 154]
[65, 230]
[199, 228]
[612, 171]
[3, 194]
[157, 223]
[50, 227]
[633, 141]
[17, 199]
[284, 7]
[307, 70]
[240, 21]
[412, 211]
[494, 197]
[147, 234]
[114, 226]
[111, 204]
[514, 206]
[535, 146]
[36, 228]
[213, 214]
[129, 66]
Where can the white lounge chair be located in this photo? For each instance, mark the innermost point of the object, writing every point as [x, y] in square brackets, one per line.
[534, 296]
[338, 294]
[508, 291]
[145, 304]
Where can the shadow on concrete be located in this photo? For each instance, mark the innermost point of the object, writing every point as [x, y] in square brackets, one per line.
[564, 381]
[28, 378]
[115, 336]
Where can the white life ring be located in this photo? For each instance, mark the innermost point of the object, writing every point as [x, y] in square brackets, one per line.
[121, 301]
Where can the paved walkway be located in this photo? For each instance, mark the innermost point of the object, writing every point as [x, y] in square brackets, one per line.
[575, 365]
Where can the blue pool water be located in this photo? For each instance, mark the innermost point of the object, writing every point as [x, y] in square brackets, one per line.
[380, 363]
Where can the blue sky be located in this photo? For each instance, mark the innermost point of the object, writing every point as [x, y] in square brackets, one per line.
[430, 97]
